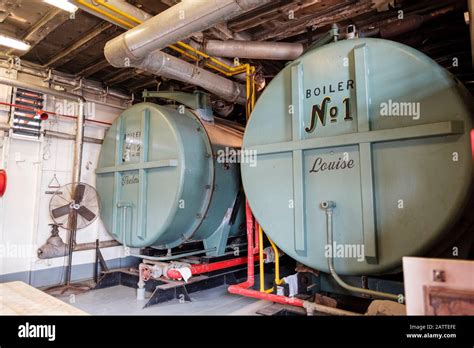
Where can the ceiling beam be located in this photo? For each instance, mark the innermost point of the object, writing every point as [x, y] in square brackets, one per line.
[335, 14]
[143, 83]
[93, 68]
[74, 48]
[42, 28]
[120, 76]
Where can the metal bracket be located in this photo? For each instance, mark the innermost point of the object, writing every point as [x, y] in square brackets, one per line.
[218, 240]
[331, 36]
[198, 101]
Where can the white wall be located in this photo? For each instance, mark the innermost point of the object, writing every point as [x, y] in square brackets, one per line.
[31, 165]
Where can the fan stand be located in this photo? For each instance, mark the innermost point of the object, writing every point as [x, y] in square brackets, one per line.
[68, 288]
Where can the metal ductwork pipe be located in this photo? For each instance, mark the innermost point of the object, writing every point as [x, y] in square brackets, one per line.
[139, 47]
[55, 247]
[165, 65]
[67, 136]
[40, 89]
[254, 49]
[63, 79]
[172, 25]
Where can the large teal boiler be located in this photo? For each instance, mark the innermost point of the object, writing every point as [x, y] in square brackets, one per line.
[363, 156]
[161, 182]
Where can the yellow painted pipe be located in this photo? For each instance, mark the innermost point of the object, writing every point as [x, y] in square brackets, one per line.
[119, 12]
[105, 13]
[234, 70]
[260, 251]
[278, 281]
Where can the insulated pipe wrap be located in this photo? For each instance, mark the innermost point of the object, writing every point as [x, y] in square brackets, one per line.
[254, 49]
[165, 65]
[172, 25]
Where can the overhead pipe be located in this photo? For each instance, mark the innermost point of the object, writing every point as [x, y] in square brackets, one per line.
[68, 136]
[40, 89]
[109, 8]
[115, 11]
[23, 107]
[165, 65]
[172, 25]
[254, 49]
[139, 47]
[63, 79]
[199, 46]
[59, 135]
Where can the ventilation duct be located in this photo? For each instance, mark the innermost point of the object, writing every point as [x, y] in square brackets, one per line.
[172, 25]
[254, 49]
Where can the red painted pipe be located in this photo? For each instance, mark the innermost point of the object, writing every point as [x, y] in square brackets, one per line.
[208, 267]
[23, 107]
[250, 259]
[256, 239]
[250, 249]
[243, 288]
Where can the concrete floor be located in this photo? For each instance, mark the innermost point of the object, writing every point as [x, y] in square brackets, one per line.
[122, 300]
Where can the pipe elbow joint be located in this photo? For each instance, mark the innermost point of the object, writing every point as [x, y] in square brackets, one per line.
[118, 54]
[328, 204]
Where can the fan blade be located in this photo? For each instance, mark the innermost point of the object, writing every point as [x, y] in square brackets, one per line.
[86, 213]
[61, 211]
[79, 193]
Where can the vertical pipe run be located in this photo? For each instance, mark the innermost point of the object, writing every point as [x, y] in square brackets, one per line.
[78, 146]
[261, 264]
[250, 251]
[278, 281]
[328, 206]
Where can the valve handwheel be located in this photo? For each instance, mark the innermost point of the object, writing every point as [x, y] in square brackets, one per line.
[3, 182]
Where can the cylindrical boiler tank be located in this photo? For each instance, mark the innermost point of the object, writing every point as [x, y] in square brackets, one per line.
[161, 182]
[379, 129]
